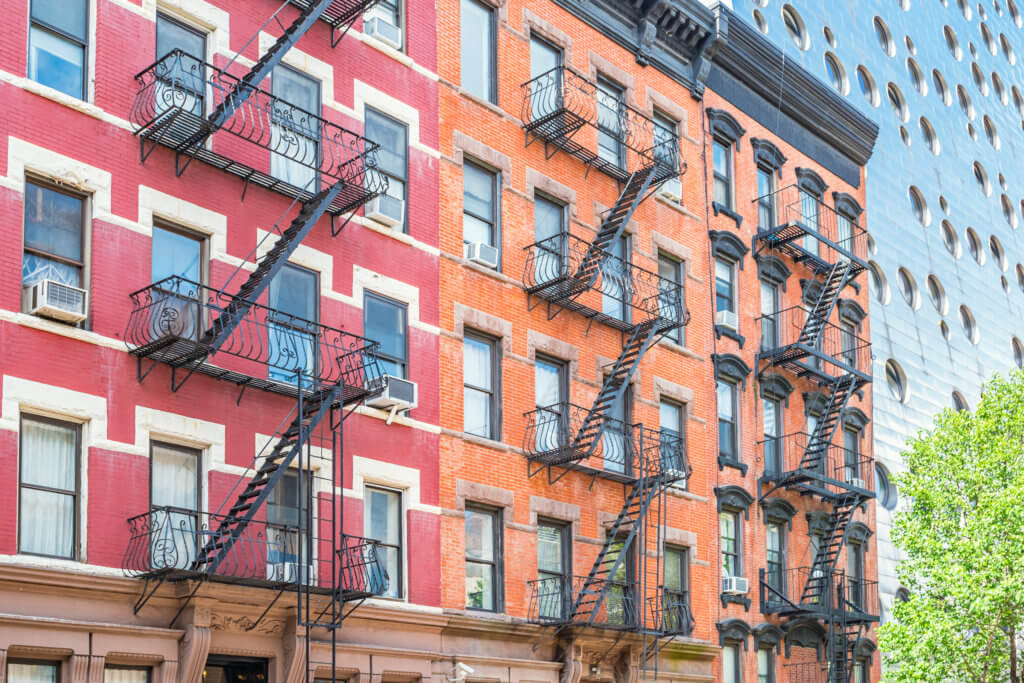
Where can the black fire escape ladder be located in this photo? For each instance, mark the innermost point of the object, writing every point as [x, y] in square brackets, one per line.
[231, 100]
[219, 541]
[818, 589]
[817, 317]
[843, 635]
[586, 605]
[820, 439]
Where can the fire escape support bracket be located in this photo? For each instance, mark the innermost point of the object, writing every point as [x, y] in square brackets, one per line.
[266, 611]
[185, 603]
[146, 593]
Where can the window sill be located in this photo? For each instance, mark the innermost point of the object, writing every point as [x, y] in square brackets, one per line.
[480, 440]
[723, 331]
[724, 462]
[678, 348]
[736, 600]
[726, 211]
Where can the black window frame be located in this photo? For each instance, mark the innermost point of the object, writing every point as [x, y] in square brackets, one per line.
[772, 453]
[494, 407]
[856, 560]
[563, 377]
[848, 341]
[664, 121]
[678, 266]
[563, 577]
[492, 48]
[126, 667]
[732, 285]
[726, 175]
[737, 518]
[318, 114]
[291, 322]
[776, 568]
[770, 323]
[769, 677]
[370, 112]
[83, 265]
[404, 362]
[57, 664]
[737, 647]
[680, 595]
[82, 43]
[201, 238]
[681, 409]
[497, 562]
[609, 86]
[200, 96]
[495, 219]
[192, 450]
[76, 535]
[398, 581]
[766, 200]
[734, 387]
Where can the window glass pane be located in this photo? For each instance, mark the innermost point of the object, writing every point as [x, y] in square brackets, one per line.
[477, 362]
[295, 133]
[771, 427]
[479, 535]
[549, 548]
[477, 49]
[547, 218]
[725, 400]
[669, 417]
[170, 36]
[56, 62]
[479, 586]
[388, 10]
[385, 323]
[609, 115]
[283, 502]
[720, 156]
[48, 454]
[665, 138]
[548, 383]
[723, 286]
[174, 477]
[47, 523]
[69, 16]
[383, 511]
[21, 672]
[53, 222]
[125, 675]
[175, 254]
[477, 376]
[391, 136]
[543, 57]
[729, 656]
[478, 191]
[296, 90]
[294, 292]
[674, 569]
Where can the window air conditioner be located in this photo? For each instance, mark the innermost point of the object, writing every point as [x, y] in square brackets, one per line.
[398, 394]
[481, 253]
[727, 319]
[673, 189]
[384, 31]
[735, 585]
[856, 482]
[51, 299]
[386, 209]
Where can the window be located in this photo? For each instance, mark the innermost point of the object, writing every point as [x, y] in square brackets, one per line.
[182, 79]
[295, 128]
[483, 553]
[729, 529]
[546, 77]
[611, 113]
[896, 380]
[382, 522]
[731, 670]
[860, 672]
[855, 574]
[19, 671]
[795, 27]
[551, 391]
[480, 205]
[772, 435]
[884, 488]
[666, 150]
[54, 236]
[550, 234]
[178, 263]
[775, 557]
[384, 321]
[48, 492]
[177, 253]
[293, 343]
[126, 674]
[851, 456]
[725, 294]
[57, 42]
[393, 154]
[722, 161]
[769, 316]
[765, 198]
[481, 376]
[848, 331]
[554, 563]
[620, 600]
[727, 441]
[671, 419]
[289, 520]
[616, 434]
[388, 11]
[174, 488]
[765, 665]
[677, 590]
[479, 48]
[672, 296]
[809, 203]
[616, 285]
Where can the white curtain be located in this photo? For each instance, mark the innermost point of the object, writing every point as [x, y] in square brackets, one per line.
[19, 672]
[175, 483]
[49, 460]
[125, 675]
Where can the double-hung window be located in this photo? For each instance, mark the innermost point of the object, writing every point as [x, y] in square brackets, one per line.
[769, 316]
[666, 152]
[611, 114]
[174, 498]
[483, 559]
[292, 327]
[616, 436]
[551, 393]
[765, 199]
[844, 236]
[289, 529]
[775, 558]
[855, 574]
[721, 156]
[621, 597]
[729, 531]
[48, 492]
[765, 665]
[481, 378]
[181, 80]
[392, 156]
[727, 422]
[54, 236]
[295, 129]
[178, 269]
[480, 205]
[384, 321]
[545, 78]
[731, 667]
[616, 280]
[551, 240]
[57, 45]
[676, 600]
[390, 13]
[479, 50]
[671, 417]
[26, 671]
[671, 295]
[810, 205]
[851, 458]
[382, 522]
[772, 411]
[848, 333]
[725, 286]
[127, 674]
[554, 568]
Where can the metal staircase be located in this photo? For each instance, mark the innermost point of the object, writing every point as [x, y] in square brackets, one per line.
[824, 564]
[821, 311]
[828, 423]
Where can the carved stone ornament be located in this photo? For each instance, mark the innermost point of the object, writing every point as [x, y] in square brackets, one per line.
[242, 623]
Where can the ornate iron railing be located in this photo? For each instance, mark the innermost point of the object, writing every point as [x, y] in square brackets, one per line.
[835, 468]
[362, 571]
[172, 321]
[670, 613]
[836, 351]
[809, 230]
[618, 293]
[552, 599]
[783, 593]
[565, 109]
[305, 150]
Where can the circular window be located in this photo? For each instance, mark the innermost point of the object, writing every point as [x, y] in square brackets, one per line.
[884, 489]
[930, 139]
[970, 326]
[1018, 353]
[899, 105]
[943, 204]
[836, 73]
[950, 239]
[916, 76]
[965, 102]
[910, 45]
[872, 247]
[878, 283]
[970, 131]
[908, 288]
[1018, 100]
[919, 206]
[953, 43]
[905, 136]
[998, 253]
[982, 177]
[979, 79]
[981, 11]
[990, 132]
[973, 50]
[1002, 180]
[986, 36]
[937, 293]
[1004, 283]
[1008, 52]
[897, 381]
[941, 89]
[795, 27]
[884, 37]
[867, 85]
[1020, 277]
[1000, 89]
[974, 247]
[944, 329]
[1008, 213]
[965, 7]
[829, 37]
[959, 402]
[760, 22]
[1010, 5]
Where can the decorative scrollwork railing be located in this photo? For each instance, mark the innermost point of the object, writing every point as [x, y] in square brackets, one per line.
[552, 599]
[836, 351]
[362, 568]
[839, 469]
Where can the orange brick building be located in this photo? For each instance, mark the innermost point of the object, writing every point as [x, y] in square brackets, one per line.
[611, 504]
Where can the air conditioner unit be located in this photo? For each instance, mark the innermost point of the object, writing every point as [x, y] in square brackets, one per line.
[384, 31]
[481, 253]
[673, 189]
[52, 299]
[856, 482]
[727, 319]
[735, 585]
[386, 209]
[398, 394]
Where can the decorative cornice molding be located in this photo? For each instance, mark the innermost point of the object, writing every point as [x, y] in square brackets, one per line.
[733, 629]
[772, 269]
[725, 127]
[734, 497]
[767, 155]
[728, 245]
[847, 204]
[809, 181]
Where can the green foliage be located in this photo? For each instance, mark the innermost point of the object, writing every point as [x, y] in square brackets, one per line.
[962, 531]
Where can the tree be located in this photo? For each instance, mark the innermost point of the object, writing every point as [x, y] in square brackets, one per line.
[961, 529]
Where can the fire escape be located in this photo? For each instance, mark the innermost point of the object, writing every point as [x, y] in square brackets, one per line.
[804, 341]
[280, 525]
[624, 589]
